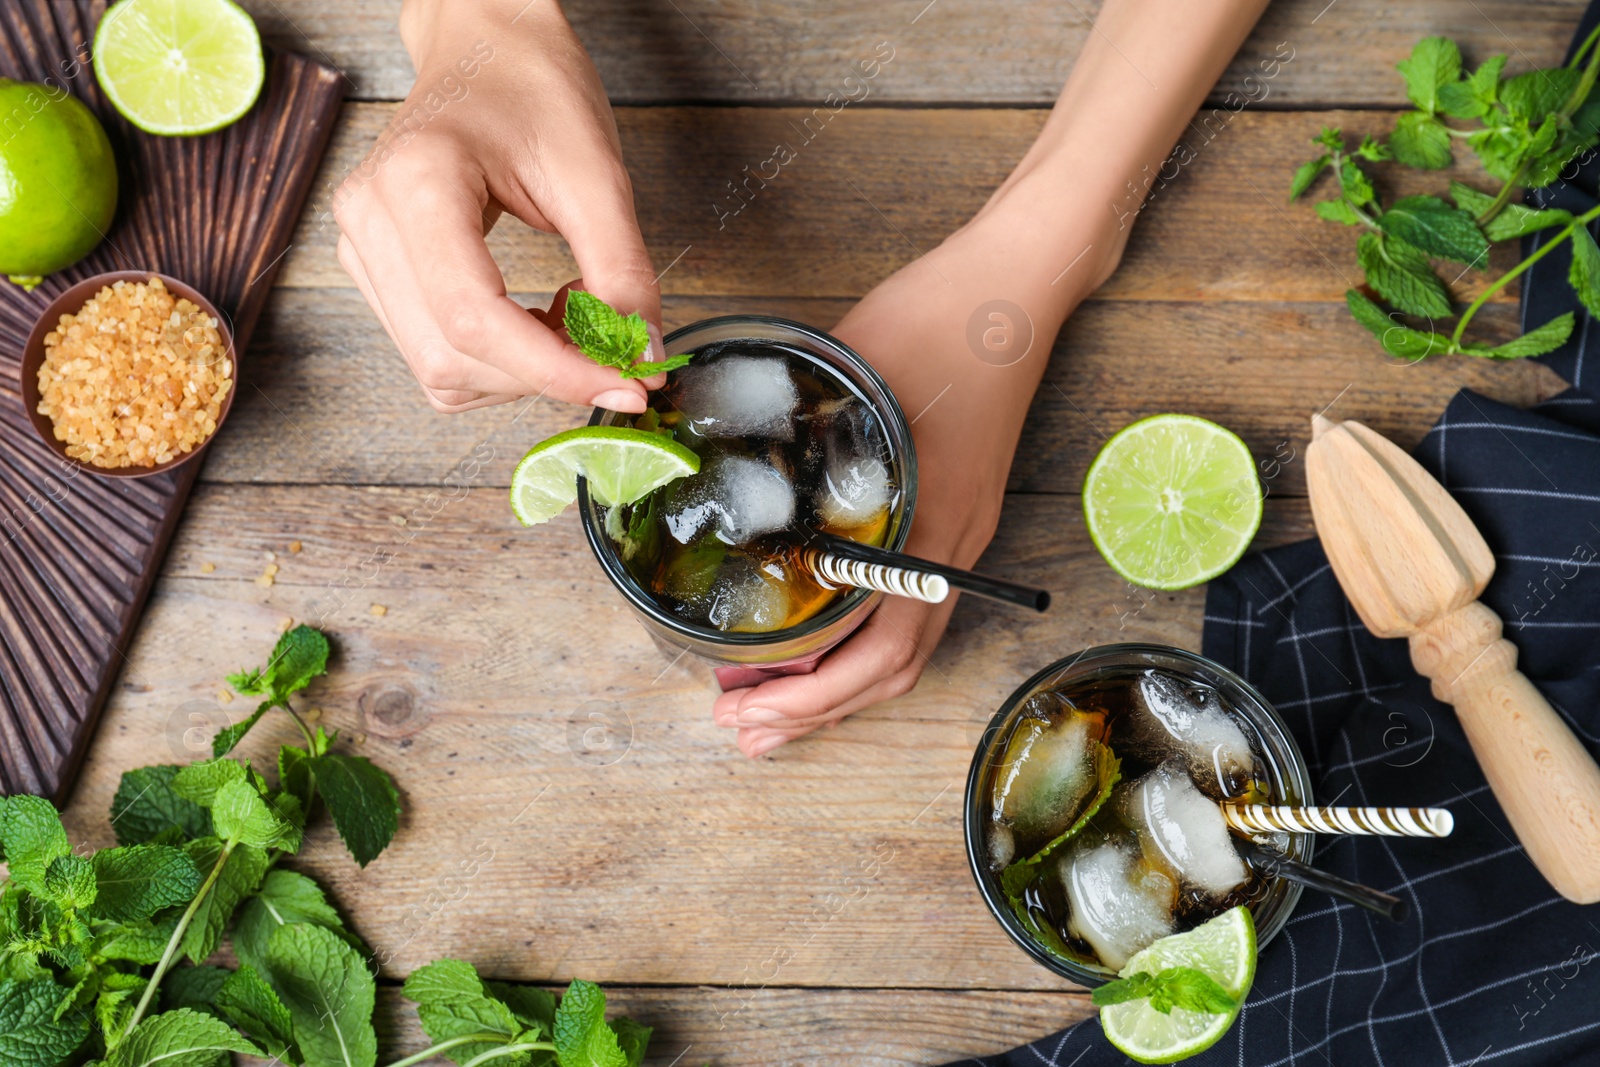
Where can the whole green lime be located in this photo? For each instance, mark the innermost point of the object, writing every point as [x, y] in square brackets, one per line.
[58, 181]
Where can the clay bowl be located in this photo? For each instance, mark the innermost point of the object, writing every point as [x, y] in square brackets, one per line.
[69, 303]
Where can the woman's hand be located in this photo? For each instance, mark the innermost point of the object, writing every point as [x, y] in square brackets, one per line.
[507, 115]
[967, 407]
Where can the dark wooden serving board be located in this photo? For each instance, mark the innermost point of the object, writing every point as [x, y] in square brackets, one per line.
[78, 553]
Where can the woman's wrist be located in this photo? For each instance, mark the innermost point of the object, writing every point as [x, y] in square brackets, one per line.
[425, 24]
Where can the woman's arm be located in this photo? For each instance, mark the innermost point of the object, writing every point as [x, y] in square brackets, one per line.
[1050, 234]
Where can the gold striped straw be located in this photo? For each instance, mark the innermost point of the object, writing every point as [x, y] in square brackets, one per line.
[896, 581]
[1387, 822]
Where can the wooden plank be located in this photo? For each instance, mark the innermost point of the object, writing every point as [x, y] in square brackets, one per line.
[950, 51]
[834, 1028]
[875, 188]
[323, 385]
[541, 846]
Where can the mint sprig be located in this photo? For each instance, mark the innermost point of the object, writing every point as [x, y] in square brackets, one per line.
[1525, 130]
[92, 943]
[612, 339]
[1175, 987]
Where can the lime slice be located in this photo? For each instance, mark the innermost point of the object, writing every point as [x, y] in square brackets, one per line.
[1172, 501]
[622, 465]
[1223, 949]
[179, 67]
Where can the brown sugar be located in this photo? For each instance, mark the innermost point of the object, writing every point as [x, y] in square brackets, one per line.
[135, 378]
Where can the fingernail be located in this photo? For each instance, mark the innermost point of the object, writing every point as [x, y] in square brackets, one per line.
[766, 744]
[657, 351]
[620, 400]
[760, 717]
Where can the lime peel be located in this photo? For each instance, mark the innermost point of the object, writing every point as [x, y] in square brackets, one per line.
[1172, 501]
[622, 465]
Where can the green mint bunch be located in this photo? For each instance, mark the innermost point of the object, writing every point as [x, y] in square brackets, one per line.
[1524, 130]
[103, 952]
[1175, 987]
[612, 339]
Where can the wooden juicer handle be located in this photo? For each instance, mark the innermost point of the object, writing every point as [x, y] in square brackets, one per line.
[1413, 565]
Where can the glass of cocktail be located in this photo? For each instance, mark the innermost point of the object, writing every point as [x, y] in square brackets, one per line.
[1093, 823]
[796, 434]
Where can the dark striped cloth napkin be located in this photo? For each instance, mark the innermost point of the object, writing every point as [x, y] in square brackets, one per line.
[1493, 967]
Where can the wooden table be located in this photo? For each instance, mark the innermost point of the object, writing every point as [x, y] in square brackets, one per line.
[814, 907]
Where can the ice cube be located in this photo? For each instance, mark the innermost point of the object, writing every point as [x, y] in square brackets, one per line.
[1192, 724]
[748, 596]
[1046, 775]
[744, 497]
[1183, 829]
[739, 396]
[854, 491]
[1120, 904]
[1002, 846]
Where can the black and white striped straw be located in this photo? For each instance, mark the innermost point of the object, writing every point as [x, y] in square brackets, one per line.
[896, 581]
[1386, 822]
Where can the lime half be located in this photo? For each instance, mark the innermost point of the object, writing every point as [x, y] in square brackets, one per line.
[179, 67]
[622, 465]
[1223, 949]
[1172, 501]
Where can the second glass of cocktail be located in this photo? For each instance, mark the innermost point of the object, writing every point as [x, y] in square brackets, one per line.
[796, 435]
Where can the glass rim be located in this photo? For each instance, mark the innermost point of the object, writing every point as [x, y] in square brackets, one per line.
[1255, 707]
[898, 431]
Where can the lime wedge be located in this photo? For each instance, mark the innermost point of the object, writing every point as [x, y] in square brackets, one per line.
[1224, 949]
[622, 465]
[179, 67]
[1172, 501]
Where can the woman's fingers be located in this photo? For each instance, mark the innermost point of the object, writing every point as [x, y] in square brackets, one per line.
[880, 661]
[444, 302]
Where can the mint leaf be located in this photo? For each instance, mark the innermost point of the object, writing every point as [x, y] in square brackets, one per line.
[1420, 140]
[1514, 220]
[645, 369]
[601, 333]
[300, 656]
[534, 1008]
[30, 1035]
[239, 877]
[1537, 93]
[633, 1038]
[1355, 184]
[113, 1007]
[193, 987]
[249, 1003]
[329, 993]
[1435, 227]
[1500, 149]
[198, 782]
[452, 1002]
[69, 882]
[1137, 986]
[230, 736]
[582, 1038]
[242, 814]
[1547, 338]
[249, 683]
[1434, 63]
[1397, 338]
[1191, 990]
[146, 805]
[31, 838]
[1472, 97]
[1402, 275]
[1306, 174]
[362, 799]
[1585, 272]
[284, 897]
[1338, 211]
[1373, 151]
[137, 881]
[181, 1038]
[139, 942]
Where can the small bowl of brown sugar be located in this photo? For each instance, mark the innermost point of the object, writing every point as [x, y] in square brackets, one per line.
[129, 373]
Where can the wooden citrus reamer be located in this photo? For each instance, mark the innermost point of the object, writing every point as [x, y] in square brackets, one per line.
[1414, 565]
